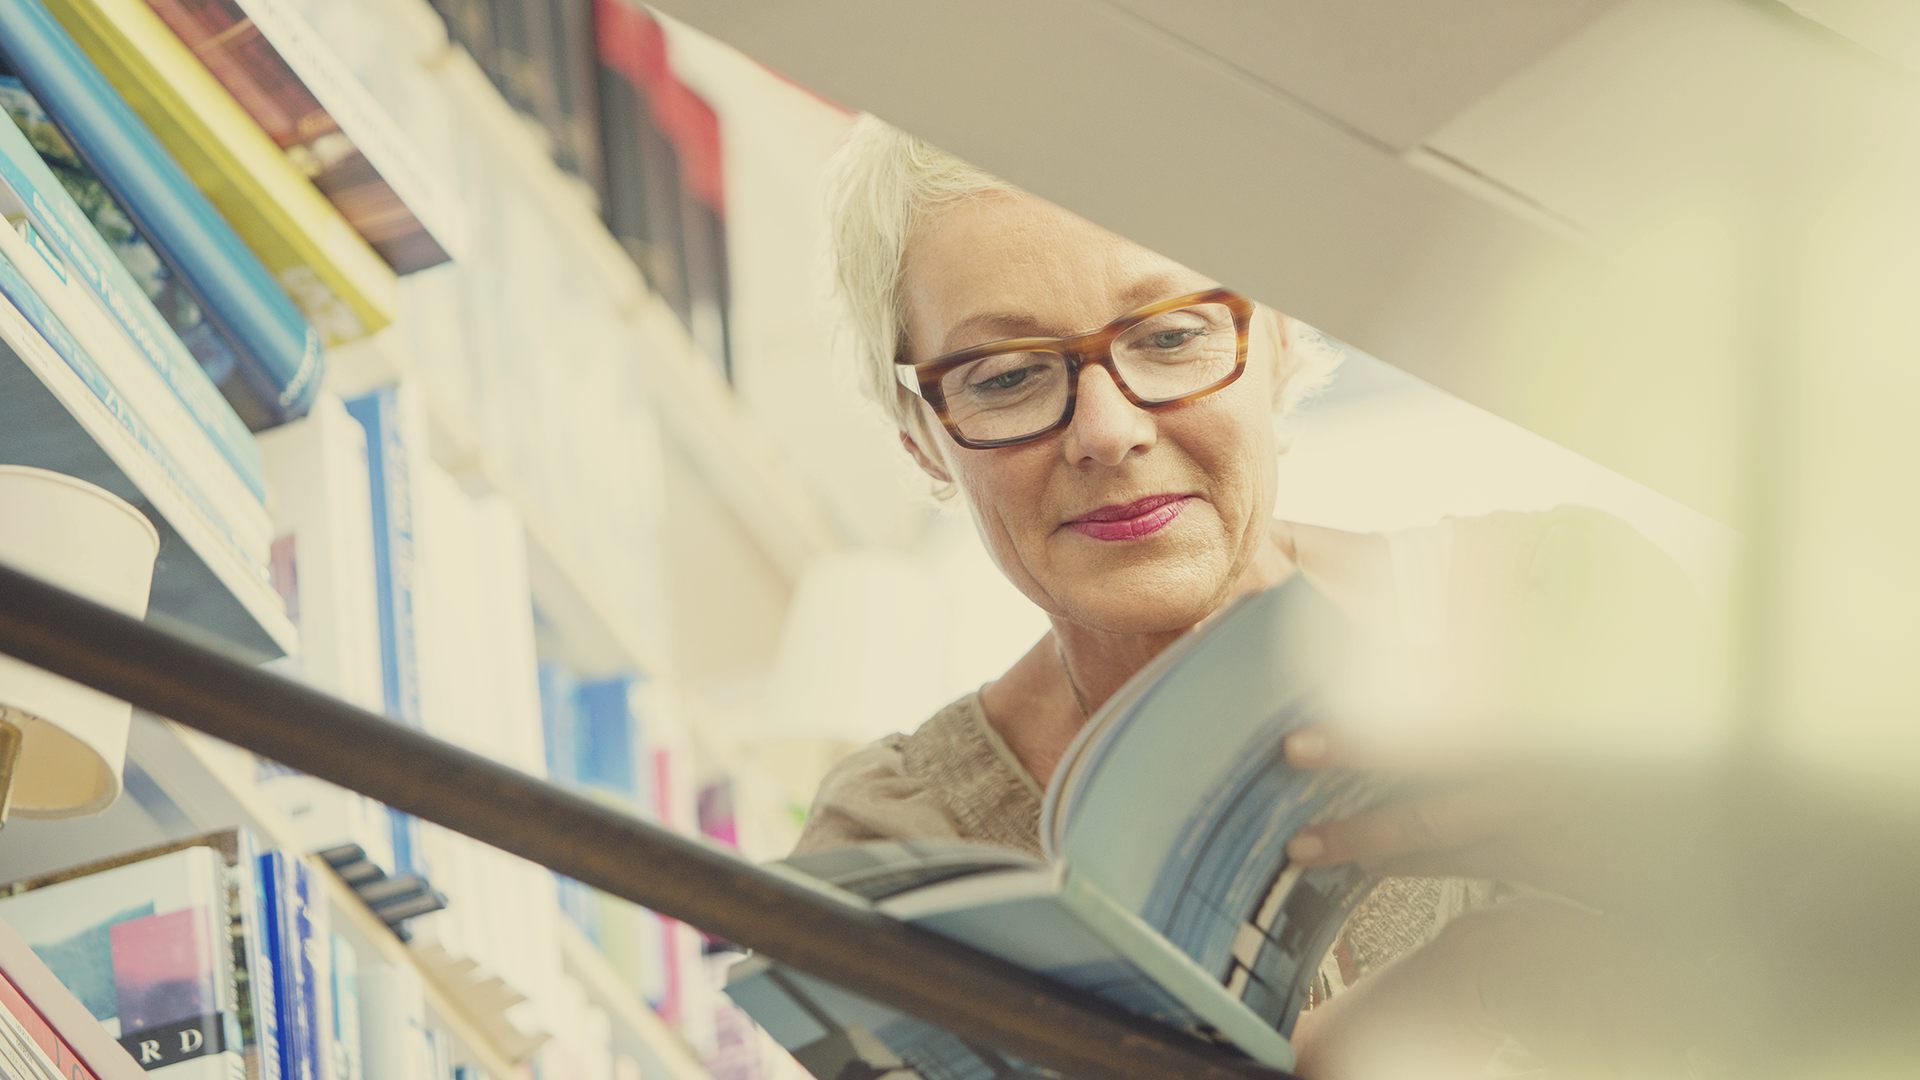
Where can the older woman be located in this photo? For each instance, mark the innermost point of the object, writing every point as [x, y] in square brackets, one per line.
[1109, 418]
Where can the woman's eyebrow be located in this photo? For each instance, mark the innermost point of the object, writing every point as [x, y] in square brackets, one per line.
[985, 326]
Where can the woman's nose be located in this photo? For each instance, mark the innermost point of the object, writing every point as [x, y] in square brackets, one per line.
[1106, 427]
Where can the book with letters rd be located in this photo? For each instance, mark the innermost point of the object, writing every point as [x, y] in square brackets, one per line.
[1166, 889]
[146, 947]
[218, 868]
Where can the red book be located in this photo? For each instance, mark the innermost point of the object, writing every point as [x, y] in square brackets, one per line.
[55, 1020]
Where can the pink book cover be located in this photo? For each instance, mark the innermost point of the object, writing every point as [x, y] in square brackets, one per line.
[163, 970]
[56, 1020]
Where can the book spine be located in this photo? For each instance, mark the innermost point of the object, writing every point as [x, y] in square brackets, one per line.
[26, 1025]
[391, 482]
[393, 1010]
[340, 283]
[283, 938]
[226, 966]
[280, 353]
[40, 328]
[346, 1010]
[66, 227]
[20, 1055]
[73, 308]
[263, 1058]
[442, 228]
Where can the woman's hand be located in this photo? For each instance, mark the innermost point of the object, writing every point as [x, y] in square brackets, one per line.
[1581, 990]
[1616, 837]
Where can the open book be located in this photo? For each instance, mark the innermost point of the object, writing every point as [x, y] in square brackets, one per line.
[1166, 889]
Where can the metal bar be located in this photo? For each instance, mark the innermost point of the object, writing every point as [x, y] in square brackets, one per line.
[974, 995]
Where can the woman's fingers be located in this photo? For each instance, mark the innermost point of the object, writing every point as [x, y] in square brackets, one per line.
[1415, 827]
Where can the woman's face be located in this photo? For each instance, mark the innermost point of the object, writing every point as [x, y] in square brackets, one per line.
[1128, 521]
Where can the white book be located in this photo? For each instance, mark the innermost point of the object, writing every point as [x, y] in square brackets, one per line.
[323, 511]
[393, 1023]
[323, 522]
[79, 310]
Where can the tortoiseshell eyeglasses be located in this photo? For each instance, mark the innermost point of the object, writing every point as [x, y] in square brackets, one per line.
[1009, 392]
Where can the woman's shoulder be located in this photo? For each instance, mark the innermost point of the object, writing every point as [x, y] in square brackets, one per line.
[952, 779]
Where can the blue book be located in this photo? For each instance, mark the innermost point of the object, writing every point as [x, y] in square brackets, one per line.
[608, 741]
[21, 296]
[292, 926]
[392, 485]
[26, 145]
[279, 354]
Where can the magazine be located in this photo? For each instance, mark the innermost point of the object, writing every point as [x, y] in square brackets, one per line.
[1165, 890]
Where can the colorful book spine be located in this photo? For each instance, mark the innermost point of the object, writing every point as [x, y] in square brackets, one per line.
[63, 225]
[345, 288]
[280, 354]
[392, 488]
[27, 1041]
[27, 325]
[293, 940]
[294, 86]
[75, 312]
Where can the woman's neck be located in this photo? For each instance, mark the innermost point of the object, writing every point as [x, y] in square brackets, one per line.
[1046, 697]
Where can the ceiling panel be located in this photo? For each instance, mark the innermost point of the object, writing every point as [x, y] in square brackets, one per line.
[1390, 69]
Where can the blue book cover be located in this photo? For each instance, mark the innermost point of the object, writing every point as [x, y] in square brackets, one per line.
[77, 215]
[392, 486]
[609, 741]
[17, 292]
[289, 886]
[279, 353]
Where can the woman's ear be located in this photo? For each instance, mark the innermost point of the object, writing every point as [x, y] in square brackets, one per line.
[927, 462]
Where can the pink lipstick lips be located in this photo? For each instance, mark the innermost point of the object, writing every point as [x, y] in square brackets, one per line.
[1131, 521]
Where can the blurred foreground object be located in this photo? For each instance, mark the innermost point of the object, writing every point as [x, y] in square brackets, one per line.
[62, 744]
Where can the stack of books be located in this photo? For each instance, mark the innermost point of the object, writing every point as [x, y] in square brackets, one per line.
[199, 201]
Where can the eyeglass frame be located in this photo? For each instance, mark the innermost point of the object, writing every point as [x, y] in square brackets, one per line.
[923, 379]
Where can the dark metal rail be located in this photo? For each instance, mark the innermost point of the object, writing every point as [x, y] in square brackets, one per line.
[967, 992]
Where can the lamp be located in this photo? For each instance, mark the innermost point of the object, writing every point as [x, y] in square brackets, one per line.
[62, 744]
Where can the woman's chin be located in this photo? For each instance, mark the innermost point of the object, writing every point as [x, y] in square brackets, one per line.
[1153, 598]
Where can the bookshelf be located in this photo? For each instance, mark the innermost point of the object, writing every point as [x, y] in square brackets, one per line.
[599, 597]
[49, 418]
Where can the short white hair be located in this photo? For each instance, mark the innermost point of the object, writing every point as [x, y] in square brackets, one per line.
[883, 188]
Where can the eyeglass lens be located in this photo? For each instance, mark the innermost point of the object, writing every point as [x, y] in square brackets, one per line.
[1161, 358]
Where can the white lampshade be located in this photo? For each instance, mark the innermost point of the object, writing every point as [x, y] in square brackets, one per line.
[86, 540]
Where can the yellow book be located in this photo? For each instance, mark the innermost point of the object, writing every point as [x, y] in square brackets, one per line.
[346, 290]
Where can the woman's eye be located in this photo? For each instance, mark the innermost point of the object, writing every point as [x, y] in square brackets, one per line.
[1173, 339]
[1006, 380]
